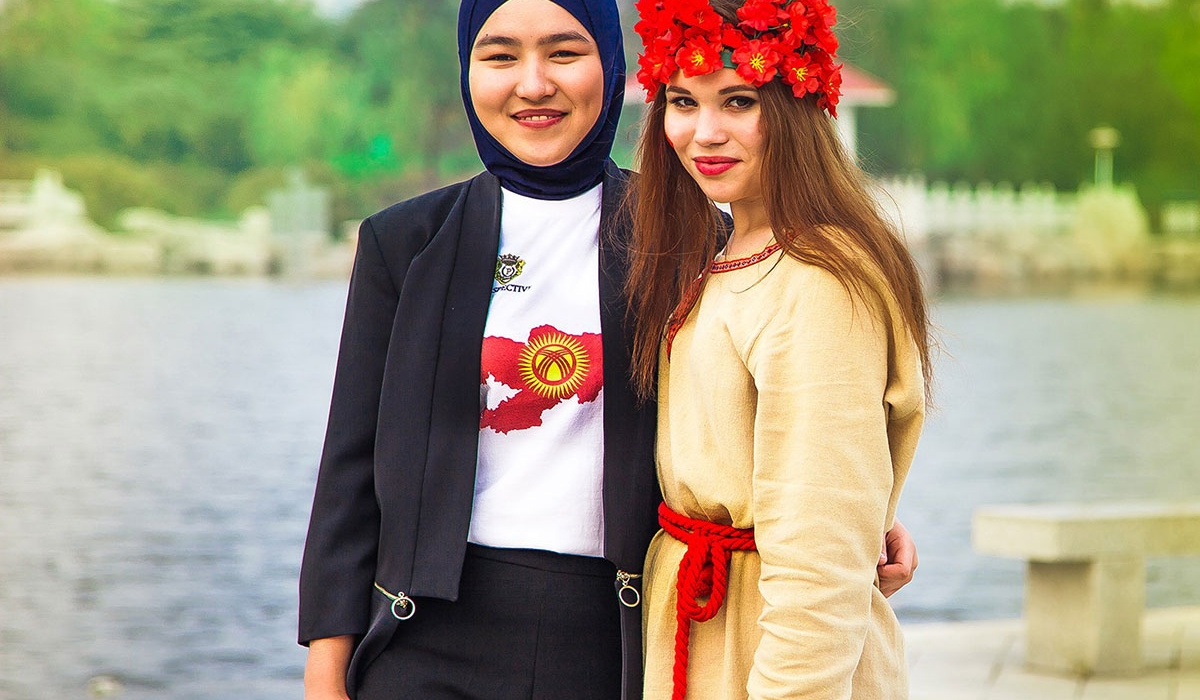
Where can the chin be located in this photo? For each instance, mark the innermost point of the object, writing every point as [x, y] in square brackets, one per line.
[718, 194]
[538, 157]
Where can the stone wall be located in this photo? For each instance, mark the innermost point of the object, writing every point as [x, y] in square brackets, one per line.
[44, 228]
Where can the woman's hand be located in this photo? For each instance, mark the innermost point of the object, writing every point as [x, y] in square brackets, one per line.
[325, 670]
[898, 561]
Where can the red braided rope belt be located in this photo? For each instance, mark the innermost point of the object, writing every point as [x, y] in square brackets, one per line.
[703, 572]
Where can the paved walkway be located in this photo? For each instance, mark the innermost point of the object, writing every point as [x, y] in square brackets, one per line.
[985, 661]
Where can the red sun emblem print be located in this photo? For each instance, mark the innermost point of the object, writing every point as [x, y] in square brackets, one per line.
[549, 368]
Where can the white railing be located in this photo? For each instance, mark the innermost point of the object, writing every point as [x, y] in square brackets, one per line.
[939, 210]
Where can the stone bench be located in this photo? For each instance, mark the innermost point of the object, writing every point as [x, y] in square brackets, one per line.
[1085, 585]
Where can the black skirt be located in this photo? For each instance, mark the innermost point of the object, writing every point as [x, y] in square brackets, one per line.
[528, 625]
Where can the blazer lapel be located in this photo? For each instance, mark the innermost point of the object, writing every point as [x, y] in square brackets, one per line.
[449, 483]
[631, 492]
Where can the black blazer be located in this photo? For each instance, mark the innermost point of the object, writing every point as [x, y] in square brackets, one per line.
[396, 482]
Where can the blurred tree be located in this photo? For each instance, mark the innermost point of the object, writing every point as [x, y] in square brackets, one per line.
[299, 106]
[1180, 66]
[213, 90]
[991, 90]
[203, 64]
[405, 53]
[48, 72]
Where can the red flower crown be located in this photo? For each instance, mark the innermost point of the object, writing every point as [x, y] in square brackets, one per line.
[792, 38]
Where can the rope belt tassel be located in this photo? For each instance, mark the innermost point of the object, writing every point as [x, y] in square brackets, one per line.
[703, 572]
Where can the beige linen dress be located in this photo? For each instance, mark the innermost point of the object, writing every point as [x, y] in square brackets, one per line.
[791, 406]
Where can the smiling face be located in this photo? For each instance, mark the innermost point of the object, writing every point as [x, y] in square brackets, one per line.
[712, 122]
[536, 80]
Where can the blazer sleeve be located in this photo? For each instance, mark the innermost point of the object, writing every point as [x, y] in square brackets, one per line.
[338, 566]
[823, 483]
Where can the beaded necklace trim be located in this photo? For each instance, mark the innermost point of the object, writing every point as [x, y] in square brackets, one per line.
[739, 263]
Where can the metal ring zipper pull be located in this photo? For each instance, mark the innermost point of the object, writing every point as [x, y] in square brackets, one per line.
[404, 602]
[633, 598]
[408, 605]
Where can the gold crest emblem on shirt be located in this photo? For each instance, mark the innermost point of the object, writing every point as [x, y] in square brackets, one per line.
[508, 268]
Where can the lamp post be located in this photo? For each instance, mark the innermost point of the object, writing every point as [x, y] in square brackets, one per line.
[1104, 139]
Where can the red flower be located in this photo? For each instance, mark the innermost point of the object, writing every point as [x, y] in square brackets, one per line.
[823, 38]
[732, 38]
[656, 65]
[646, 8]
[652, 20]
[831, 90]
[698, 56]
[789, 41]
[802, 74]
[820, 12]
[760, 15]
[698, 14]
[648, 85]
[756, 61]
[821, 19]
[798, 19]
[668, 39]
[797, 23]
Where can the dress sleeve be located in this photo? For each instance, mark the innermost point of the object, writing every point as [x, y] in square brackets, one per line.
[338, 567]
[823, 480]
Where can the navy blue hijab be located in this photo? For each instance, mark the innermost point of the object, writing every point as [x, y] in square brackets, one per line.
[584, 168]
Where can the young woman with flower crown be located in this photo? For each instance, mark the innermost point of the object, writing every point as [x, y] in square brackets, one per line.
[486, 492]
[792, 364]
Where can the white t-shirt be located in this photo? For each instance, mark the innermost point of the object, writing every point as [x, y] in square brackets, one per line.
[539, 479]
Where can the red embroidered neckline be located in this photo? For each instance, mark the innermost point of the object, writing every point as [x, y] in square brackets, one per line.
[692, 294]
[740, 263]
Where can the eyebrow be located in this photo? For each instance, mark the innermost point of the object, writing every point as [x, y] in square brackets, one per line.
[723, 91]
[556, 38]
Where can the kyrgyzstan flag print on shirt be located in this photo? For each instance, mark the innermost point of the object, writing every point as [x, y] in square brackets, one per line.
[546, 369]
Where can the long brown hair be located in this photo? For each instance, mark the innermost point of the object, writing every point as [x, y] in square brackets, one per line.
[811, 189]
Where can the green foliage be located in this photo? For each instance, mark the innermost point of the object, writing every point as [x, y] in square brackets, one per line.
[406, 55]
[1008, 91]
[110, 183]
[251, 187]
[199, 107]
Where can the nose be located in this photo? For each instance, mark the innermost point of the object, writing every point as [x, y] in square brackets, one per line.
[534, 83]
[710, 127]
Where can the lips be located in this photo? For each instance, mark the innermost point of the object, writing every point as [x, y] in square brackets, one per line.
[539, 118]
[714, 165]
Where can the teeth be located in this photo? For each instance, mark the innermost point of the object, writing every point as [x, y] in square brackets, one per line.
[539, 118]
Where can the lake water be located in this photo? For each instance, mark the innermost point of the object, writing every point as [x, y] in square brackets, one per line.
[159, 440]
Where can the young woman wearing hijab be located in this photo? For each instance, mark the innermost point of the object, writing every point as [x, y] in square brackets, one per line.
[790, 368]
[485, 496]
[481, 485]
